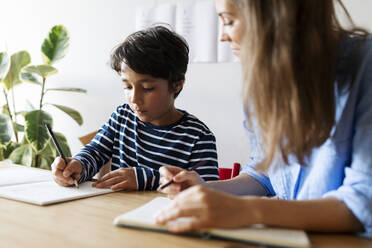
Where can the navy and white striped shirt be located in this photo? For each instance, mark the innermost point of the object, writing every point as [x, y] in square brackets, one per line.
[129, 142]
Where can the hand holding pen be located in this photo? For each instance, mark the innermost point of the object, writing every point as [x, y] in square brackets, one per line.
[174, 179]
[56, 165]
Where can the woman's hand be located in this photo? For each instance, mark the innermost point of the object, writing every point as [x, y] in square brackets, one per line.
[183, 179]
[123, 178]
[62, 172]
[207, 208]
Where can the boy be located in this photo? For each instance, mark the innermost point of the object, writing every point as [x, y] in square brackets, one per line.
[148, 131]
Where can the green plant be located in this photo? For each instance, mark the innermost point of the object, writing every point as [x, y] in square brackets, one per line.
[35, 148]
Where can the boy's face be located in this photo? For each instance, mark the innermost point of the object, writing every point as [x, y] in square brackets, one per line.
[150, 98]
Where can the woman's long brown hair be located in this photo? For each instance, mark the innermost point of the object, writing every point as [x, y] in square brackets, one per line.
[288, 57]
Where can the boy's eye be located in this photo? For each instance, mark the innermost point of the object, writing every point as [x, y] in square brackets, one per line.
[149, 89]
[127, 87]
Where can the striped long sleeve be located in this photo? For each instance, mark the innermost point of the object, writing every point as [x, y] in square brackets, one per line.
[131, 143]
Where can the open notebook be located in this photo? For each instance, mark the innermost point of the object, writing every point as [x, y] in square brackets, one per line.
[37, 187]
[143, 218]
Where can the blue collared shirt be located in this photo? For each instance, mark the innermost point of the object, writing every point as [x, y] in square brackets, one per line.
[342, 166]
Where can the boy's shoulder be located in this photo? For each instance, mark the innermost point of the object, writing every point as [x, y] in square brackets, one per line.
[191, 121]
[124, 109]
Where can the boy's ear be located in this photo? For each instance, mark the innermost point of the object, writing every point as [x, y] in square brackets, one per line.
[177, 87]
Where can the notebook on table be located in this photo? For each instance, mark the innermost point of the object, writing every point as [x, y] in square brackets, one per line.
[37, 186]
[143, 218]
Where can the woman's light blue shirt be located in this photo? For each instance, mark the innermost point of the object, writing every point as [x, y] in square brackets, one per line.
[342, 166]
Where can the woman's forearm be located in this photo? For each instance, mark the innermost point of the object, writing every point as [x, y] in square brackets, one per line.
[323, 215]
[240, 185]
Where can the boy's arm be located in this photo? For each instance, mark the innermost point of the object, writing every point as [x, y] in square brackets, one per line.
[99, 151]
[205, 150]
[147, 179]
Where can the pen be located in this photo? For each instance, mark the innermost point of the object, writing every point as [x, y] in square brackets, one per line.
[51, 134]
[188, 169]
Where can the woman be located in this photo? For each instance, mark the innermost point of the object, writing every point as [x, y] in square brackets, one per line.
[307, 88]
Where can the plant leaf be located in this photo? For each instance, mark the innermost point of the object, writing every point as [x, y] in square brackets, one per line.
[35, 131]
[78, 90]
[22, 155]
[55, 46]
[74, 114]
[9, 148]
[5, 110]
[43, 71]
[49, 149]
[17, 62]
[63, 144]
[46, 162]
[28, 77]
[6, 129]
[4, 64]
[18, 127]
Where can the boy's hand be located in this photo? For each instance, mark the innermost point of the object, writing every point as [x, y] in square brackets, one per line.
[123, 178]
[62, 172]
[183, 179]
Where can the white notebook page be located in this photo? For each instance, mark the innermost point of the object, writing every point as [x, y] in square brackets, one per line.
[23, 175]
[45, 193]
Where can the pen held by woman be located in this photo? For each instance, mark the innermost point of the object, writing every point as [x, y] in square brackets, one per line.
[194, 167]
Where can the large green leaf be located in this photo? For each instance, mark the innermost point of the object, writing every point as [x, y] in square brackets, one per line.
[35, 131]
[9, 148]
[46, 162]
[49, 150]
[42, 70]
[2, 147]
[4, 64]
[22, 155]
[17, 62]
[63, 144]
[6, 129]
[78, 90]
[55, 46]
[28, 77]
[74, 114]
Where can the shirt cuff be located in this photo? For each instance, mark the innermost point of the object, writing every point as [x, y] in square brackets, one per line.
[261, 178]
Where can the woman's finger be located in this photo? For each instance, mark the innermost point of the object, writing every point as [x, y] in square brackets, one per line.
[186, 225]
[169, 171]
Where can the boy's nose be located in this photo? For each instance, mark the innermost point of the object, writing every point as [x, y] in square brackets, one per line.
[136, 97]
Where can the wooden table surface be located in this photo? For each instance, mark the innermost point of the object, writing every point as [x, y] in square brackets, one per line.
[88, 223]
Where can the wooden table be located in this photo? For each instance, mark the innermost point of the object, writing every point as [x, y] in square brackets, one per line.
[88, 223]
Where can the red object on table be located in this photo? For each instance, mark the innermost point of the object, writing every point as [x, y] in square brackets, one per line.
[228, 173]
[236, 169]
[225, 173]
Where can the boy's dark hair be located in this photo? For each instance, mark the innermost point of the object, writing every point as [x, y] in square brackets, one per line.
[155, 51]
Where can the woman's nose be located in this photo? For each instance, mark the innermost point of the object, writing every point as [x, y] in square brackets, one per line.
[224, 36]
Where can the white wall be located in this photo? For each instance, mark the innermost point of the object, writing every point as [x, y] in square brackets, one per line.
[212, 91]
